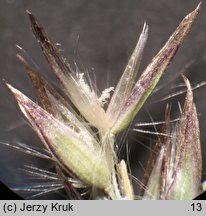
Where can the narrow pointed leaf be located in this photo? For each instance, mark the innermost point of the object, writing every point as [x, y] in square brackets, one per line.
[126, 83]
[70, 119]
[153, 187]
[186, 182]
[163, 142]
[41, 86]
[152, 74]
[75, 86]
[71, 150]
[55, 104]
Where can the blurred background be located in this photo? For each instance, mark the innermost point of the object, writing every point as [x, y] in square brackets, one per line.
[99, 35]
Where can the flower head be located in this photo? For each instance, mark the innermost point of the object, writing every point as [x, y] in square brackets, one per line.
[79, 152]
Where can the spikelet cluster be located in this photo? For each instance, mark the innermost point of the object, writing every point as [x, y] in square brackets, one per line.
[87, 159]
